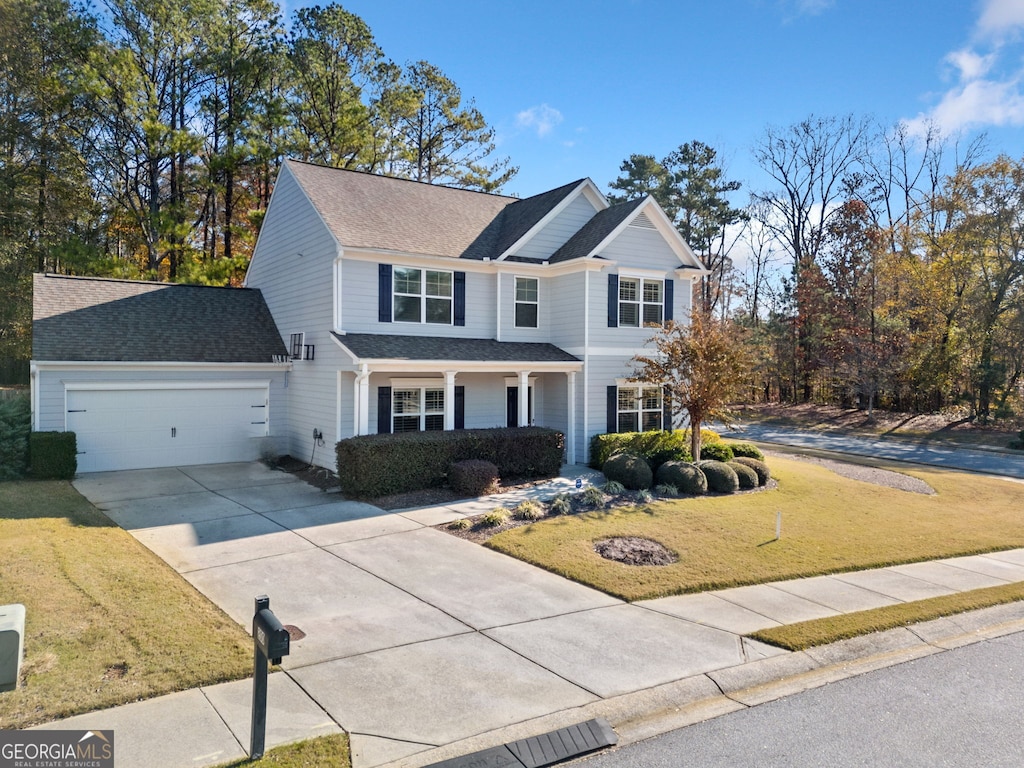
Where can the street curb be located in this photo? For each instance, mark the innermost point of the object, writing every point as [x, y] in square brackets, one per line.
[654, 711]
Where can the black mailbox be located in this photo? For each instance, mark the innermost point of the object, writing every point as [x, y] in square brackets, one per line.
[271, 636]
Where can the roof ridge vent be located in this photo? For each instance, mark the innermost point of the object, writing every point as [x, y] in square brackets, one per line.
[642, 220]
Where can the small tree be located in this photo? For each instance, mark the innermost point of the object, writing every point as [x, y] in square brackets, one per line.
[703, 367]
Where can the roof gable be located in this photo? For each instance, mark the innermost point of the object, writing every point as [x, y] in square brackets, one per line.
[608, 224]
[528, 217]
[96, 319]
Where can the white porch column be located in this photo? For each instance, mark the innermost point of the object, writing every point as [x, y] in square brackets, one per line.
[570, 437]
[524, 398]
[449, 400]
[362, 402]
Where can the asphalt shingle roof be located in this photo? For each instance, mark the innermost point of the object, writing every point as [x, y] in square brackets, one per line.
[92, 319]
[374, 346]
[366, 210]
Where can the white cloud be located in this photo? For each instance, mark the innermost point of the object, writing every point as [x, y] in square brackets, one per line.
[990, 87]
[1000, 17]
[969, 64]
[541, 118]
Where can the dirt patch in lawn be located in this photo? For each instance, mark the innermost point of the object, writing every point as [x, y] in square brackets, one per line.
[635, 550]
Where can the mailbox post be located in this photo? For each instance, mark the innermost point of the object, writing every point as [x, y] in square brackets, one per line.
[270, 642]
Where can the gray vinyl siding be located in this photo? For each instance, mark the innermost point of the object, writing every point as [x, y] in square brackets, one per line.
[359, 303]
[293, 266]
[547, 296]
[641, 248]
[600, 334]
[51, 394]
[559, 230]
[565, 298]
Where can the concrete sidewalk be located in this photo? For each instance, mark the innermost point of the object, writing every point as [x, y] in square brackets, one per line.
[423, 646]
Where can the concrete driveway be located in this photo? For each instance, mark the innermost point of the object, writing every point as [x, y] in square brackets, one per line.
[414, 638]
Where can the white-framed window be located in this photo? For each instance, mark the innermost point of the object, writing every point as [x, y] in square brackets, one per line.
[417, 409]
[639, 408]
[422, 296]
[527, 303]
[641, 301]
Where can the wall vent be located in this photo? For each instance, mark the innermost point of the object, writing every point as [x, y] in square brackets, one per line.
[642, 221]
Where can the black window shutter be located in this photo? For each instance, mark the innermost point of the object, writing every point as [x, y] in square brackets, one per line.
[511, 406]
[383, 410]
[460, 298]
[669, 299]
[384, 293]
[460, 407]
[666, 409]
[613, 301]
[613, 408]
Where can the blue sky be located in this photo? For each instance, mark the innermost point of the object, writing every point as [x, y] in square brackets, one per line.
[574, 87]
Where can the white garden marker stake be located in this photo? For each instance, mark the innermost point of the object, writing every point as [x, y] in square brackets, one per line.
[778, 525]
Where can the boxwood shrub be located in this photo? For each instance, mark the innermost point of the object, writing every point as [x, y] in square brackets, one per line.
[721, 477]
[379, 465]
[632, 471]
[763, 473]
[685, 477]
[53, 455]
[474, 477]
[746, 475]
[749, 450]
[716, 452]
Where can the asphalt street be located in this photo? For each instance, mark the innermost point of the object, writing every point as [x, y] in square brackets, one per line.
[920, 452]
[958, 708]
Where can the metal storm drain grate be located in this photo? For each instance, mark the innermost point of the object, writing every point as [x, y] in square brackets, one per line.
[538, 751]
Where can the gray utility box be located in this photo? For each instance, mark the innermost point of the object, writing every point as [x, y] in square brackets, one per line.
[12, 644]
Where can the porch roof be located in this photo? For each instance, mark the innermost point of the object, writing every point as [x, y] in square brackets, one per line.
[368, 347]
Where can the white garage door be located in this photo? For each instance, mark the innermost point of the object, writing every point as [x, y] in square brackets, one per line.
[155, 424]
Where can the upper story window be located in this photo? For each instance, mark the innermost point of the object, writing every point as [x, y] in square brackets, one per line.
[639, 409]
[422, 296]
[526, 302]
[641, 301]
[417, 409]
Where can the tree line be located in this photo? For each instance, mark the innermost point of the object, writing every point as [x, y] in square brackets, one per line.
[140, 138]
[883, 266]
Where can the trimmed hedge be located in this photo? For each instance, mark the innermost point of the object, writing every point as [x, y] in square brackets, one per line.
[655, 447]
[721, 477]
[379, 465]
[53, 455]
[632, 471]
[746, 475]
[763, 473]
[685, 477]
[15, 426]
[473, 476]
[716, 452]
[747, 450]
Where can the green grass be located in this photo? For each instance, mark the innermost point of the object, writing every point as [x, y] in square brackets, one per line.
[325, 752]
[807, 634]
[107, 622]
[829, 524]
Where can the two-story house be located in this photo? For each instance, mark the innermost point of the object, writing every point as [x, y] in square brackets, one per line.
[412, 307]
[372, 304]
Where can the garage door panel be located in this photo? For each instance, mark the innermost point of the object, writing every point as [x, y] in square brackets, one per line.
[155, 427]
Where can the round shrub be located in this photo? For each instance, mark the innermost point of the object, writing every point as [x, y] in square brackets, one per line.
[473, 476]
[633, 472]
[763, 473]
[747, 450]
[685, 477]
[746, 475]
[721, 477]
[674, 453]
[716, 452]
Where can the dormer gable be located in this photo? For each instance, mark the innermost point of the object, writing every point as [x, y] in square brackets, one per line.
[537, 226]
[610, 224]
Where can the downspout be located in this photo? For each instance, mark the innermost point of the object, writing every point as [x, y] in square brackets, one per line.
[34, 394]
[586, 366]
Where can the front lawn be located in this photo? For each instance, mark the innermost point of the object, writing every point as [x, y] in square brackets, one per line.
[107, 622]
[829, 524]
